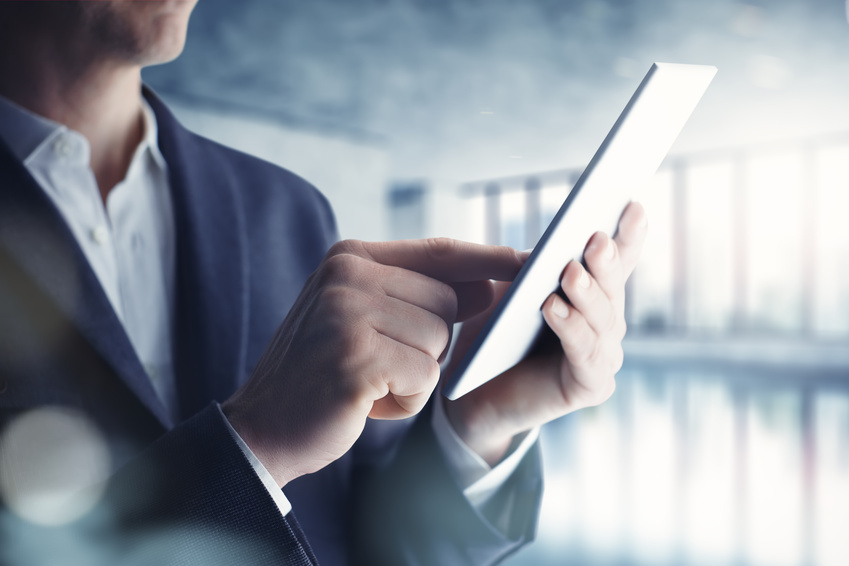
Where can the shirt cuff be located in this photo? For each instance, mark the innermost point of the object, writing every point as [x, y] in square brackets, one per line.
[478, 480]
[264, 475]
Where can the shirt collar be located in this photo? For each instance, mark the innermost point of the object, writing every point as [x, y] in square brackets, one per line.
[151, 134]
[26, 133]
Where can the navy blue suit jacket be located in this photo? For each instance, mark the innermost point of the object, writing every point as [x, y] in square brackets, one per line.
[248, 236]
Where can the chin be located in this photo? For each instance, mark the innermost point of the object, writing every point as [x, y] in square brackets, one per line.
[141, 33]
[163, 51]
[164, 38]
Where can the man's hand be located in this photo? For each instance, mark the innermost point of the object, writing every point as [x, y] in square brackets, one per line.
[580, 373]
[364, 339]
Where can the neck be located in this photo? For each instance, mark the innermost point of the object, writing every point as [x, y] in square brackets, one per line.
[99, 98]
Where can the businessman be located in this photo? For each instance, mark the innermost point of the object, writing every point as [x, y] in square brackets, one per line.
[147, 275]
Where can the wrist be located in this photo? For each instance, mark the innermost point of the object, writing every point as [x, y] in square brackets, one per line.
[273, 460]
[479, 429]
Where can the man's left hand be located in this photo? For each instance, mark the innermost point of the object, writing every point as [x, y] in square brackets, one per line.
[581, 372]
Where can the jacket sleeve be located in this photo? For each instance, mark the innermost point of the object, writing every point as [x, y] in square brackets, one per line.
[190, 498]
[409, 509]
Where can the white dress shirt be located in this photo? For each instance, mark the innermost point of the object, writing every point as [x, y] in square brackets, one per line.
[130, 245]
[129, 242]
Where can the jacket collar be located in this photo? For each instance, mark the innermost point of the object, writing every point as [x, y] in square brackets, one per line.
[212, 267]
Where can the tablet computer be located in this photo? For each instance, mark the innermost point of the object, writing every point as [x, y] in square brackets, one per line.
[625, 163]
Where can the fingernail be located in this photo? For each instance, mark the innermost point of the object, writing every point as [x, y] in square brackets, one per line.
[559, 307]
[524, 255]
[609, 252]
[584, 279]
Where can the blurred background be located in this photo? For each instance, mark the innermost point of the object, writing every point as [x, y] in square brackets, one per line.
[727, 441]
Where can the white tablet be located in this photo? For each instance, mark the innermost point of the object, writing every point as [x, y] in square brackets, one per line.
[625, 163]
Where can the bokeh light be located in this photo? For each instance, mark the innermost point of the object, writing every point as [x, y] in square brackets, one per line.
[52, 461]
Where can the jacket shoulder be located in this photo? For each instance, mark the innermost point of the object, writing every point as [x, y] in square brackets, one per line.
[262, 183]
[263, 187]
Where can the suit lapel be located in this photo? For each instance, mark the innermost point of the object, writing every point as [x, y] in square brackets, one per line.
[34, 233]
[212, 271]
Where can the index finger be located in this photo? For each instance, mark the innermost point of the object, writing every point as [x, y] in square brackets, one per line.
[445, 259]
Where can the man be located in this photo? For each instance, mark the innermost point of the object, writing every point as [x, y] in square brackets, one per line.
[143, 270]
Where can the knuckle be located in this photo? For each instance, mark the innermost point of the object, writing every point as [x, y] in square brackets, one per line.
[441, 247]
[415, 384]
[333, 267]
[345, 247]
[341, 267]
[406, 408]
[440, 338]
[412, 405]
[583, 355]
[358, 348]
[432, 371]
[424, 372]
[339, 300]
[597, 355]
[447, 297]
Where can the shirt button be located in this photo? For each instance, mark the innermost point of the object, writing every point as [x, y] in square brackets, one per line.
[100, 235]
[63, 147]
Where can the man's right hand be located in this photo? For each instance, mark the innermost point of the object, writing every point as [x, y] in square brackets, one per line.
[364, 339]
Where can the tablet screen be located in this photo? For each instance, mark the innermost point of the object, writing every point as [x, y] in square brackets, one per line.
[624, 164]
